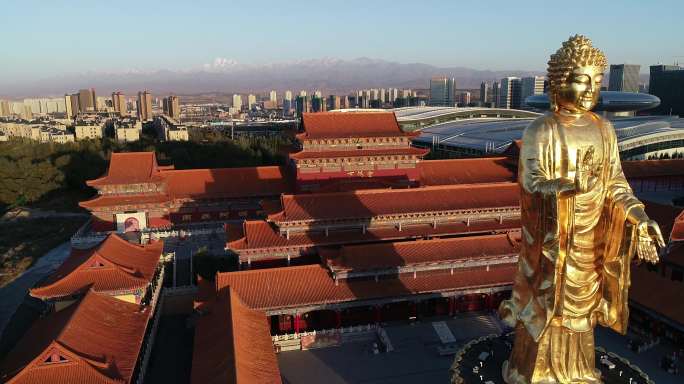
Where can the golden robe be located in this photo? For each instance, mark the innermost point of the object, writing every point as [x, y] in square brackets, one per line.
[573, 269]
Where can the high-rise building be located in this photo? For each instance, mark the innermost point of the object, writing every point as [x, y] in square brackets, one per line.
[273, 96]
[442, 91]
[464, 98]
[171, 107]
[67, 104]
[624, 77]
[237, 102]
[251, 101]
[288, 95]
[302, 105]
[4, 108]
[144, 105]
[26, 112]
[509, 94]
[119, 103]
[667, 82]
[86, 101]
[334, 102]
[302, 93]
[93, 99]
[530, 86]
[484, 92]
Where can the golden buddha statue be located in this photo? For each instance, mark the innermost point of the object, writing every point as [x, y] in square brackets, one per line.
[581, 226]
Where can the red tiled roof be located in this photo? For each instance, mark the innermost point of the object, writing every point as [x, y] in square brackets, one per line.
[397, 254]
[284, 287]
[233, 344]
[129, 168]
[677, 233]
[370, 203]
[466, 171]
[111, 200]
[666, 302]
[95, 340]
[408, 151]
[115, 265]
[653, 168]
[258, 234]
[325, 125]
[227, 182]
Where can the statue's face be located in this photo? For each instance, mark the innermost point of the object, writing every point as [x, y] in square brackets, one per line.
[581, 91]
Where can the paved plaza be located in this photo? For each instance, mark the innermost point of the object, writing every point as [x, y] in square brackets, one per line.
[415, 358]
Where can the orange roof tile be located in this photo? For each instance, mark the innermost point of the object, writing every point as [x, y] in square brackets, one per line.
[95, 340]
[369, 203]
[233, 344]
[667, 301]
[466, 171]
[227, 182]
[325, 125]
[677, 233]
[278, 288]
[259, 234]
[653, 168]
[129, 168]
[408, 151]
[398, 254]
[114, 265]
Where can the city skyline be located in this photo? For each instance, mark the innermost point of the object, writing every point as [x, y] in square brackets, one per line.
[221, 36]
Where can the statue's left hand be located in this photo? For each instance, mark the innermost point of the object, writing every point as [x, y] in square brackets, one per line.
[649, 235]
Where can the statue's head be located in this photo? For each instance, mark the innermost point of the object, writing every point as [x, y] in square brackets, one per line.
[575, 75]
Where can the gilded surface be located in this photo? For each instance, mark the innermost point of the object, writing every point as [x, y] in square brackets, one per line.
[581, 227]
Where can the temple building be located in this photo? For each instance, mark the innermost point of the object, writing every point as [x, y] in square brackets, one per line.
[115, 267]
[97, 339]
[350, 147]
[356, 229]
[137, 193]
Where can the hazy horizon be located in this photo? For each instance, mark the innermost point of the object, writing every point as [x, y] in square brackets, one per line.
[84, 39]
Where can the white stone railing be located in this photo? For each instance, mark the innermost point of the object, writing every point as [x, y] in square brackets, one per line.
[156, 305]
[332, 331]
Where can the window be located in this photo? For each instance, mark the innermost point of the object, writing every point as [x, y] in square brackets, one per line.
[205, 216]
[224, 215]
[186, 217]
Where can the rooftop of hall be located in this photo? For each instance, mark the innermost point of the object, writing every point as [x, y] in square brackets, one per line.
[369, 203]
[379, 256]
[232, 343]
[259, 235]
[115, 265]
[97, 339]
[331, 125]
[290, 287]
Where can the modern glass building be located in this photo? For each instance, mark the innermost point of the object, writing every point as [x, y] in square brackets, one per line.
[624, 78]
[442, 92]
[667, 83]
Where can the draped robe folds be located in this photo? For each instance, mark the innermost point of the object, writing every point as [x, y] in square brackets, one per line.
[548, 228]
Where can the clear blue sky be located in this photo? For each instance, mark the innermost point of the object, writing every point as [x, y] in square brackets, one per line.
[51, 38]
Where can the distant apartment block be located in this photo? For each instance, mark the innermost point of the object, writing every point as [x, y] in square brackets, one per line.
[624, 78]
[144, 106]
[171, 107]
[530, 86]
[126, 130]
[84, 130]
[119, 104]
[169, 129]
[509, 94]
[442, 91]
